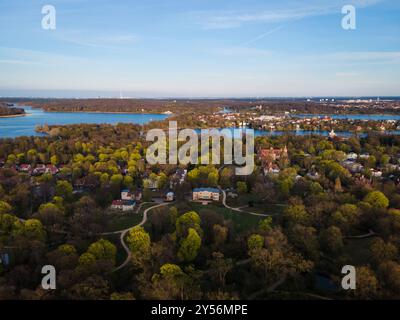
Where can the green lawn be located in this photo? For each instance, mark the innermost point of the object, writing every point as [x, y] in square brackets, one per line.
[242, 221]
[118, 222]
[357, 251]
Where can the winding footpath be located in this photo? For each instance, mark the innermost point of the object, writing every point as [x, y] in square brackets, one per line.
[239, 209]
[123, 233]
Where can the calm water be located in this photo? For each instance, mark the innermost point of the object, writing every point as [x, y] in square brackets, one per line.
[325, 283]
[25, 126]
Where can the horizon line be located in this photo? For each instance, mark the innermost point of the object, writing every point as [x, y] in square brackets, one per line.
[200, 97]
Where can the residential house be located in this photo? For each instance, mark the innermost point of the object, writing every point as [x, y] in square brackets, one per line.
[169, 197]
[116, 205]
[178, 178]
[313, 175]
[353, 167]
[4, 259]
[267, 156]
[127, 195]
[27, 168]
[138, 195]
[39, 170]
[332, 134]
[124, 205]
[393, 167]
[52, 169]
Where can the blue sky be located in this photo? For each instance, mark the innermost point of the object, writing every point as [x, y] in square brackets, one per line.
[199, 48]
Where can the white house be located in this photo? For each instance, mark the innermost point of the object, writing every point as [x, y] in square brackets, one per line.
[376, 173]
[206, 194]
[116, 205]
[352, 156]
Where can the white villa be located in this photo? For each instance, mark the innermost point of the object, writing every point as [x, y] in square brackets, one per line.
[206, 194]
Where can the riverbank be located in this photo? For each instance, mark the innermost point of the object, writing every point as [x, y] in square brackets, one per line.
[25, 126]
[106, 112]
[13, 115]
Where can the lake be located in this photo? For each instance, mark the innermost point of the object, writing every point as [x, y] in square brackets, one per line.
[25, 126]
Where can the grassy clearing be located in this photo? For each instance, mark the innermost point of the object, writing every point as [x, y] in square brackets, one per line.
[357, 251]
[121, 254]
[243, 202]
[118, 222]
[241, 221]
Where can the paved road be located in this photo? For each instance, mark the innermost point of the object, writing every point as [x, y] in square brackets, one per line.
[370, 234]
[125, 232]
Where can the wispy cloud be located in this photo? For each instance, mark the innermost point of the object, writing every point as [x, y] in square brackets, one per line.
[235, 19]
[263, 35]
[103, 41]
[365, 56]
[19, 56]
[346, 74]
[240, 52]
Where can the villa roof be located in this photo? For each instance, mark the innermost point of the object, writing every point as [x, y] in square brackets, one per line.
[128, 202]
[206, 189]
[123, 203]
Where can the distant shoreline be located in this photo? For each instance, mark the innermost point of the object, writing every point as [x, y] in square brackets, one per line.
[106, 112]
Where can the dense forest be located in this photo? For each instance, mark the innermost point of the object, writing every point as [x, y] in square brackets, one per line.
[191, 106]
[278, 234]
